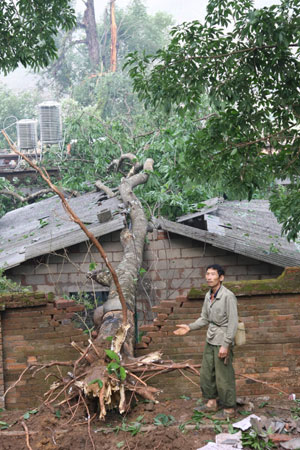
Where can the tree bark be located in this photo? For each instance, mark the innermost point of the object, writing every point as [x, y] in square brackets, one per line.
[128, 270]
[110, 315]
[113, 37]
[90, 26]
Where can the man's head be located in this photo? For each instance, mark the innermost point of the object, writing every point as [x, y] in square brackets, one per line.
[214, 276]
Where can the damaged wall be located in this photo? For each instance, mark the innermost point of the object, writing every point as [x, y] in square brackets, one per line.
[270, 310]
[35, 328]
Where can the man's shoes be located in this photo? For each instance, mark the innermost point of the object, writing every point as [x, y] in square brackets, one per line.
[206, 409]
[224, 414]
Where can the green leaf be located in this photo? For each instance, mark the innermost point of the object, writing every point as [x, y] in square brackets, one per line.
[98, 381]
[26, 415]
[142, 270]
[120, 444]
[163, 419]
[58, 414]
[113, 366]
[112, 355]
[92, 266]
[122, 372]
[109, 338]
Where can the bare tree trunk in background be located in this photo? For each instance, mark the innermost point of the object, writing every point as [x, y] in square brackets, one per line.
[113, 33]
[90, 27]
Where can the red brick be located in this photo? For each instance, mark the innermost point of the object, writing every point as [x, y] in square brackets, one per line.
[141, 345]
[76, 308]
[162, 316]
[62, 303]
[148, 328]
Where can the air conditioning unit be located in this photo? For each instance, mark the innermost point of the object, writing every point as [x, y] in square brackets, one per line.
[50, 122]
[27, 134]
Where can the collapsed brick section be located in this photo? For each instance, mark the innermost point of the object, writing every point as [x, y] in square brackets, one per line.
[272, 318]
[35, 328]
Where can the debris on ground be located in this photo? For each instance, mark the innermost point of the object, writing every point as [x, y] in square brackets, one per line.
[168, 425]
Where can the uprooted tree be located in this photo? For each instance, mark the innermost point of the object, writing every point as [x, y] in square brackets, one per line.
[107, 370]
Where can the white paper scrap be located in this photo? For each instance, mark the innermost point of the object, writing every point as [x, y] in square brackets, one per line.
[230, 440]
[245, 423]
[214, 446]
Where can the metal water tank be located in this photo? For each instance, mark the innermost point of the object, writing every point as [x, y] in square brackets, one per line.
[27, 134]
[50, 122]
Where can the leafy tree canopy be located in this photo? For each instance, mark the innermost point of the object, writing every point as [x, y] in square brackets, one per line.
[27, 30]
[170, 190]
[246, 61]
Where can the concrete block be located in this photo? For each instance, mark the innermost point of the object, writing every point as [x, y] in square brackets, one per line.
[117, 256]
[181, 263]
[190, 273]
[193, 252]
[169, 254]
[236, 270]
[150, 255]
[35, 279]
[203, 262]
[176, 284]
[159, 245]
[159, 265]
[159, 284]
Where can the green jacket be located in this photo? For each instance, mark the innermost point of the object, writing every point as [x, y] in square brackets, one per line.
[221, 316]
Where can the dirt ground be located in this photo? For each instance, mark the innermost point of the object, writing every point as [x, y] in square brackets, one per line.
[166, 425]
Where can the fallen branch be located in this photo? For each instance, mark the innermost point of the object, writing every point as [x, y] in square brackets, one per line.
[263, 382]
[27, 435]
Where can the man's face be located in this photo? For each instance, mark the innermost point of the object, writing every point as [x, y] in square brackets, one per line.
[213, 279]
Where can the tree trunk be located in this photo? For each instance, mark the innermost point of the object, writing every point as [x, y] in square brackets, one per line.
[128, 272]
[113, 37]
[91, 34]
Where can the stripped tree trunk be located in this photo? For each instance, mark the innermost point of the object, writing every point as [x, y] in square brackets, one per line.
[113, 37]
[109, 317]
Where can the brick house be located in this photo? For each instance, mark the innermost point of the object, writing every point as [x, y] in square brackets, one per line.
[42, 248]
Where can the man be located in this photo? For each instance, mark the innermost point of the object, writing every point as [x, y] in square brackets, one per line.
[219, 312]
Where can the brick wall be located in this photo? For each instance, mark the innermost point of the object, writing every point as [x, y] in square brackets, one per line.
[1, 366]
[173, 265]
[35, 328]
[271, 312]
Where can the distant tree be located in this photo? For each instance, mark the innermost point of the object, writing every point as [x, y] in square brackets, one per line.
[27, 30]
[246, 60]
[136, 30]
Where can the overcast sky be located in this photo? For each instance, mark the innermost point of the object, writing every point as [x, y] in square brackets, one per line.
[181, 10]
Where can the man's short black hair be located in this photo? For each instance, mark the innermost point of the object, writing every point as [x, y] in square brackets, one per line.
[216, 267]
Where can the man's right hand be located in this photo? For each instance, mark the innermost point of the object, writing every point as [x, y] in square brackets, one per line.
[182, 330]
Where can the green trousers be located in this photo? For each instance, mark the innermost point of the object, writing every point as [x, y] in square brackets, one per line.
[217, 379]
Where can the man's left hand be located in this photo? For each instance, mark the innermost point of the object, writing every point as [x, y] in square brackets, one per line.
[223, 352]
